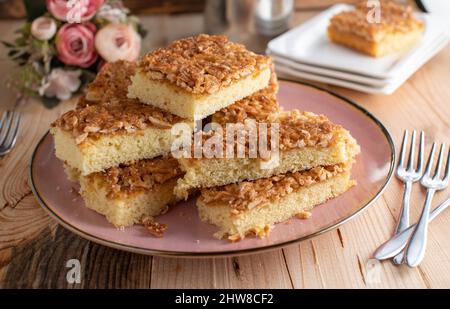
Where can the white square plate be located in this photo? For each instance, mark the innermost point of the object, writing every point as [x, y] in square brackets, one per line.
[391, 87]
[413, 65]
[309, 44]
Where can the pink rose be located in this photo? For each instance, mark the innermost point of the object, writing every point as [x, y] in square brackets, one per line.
[118, 42]
[74, 11]
[75, 44]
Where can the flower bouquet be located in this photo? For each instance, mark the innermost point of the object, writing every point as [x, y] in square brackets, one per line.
[65, 42]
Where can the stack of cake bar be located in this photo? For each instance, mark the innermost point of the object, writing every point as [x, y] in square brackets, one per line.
[118, 149]
[118, 141]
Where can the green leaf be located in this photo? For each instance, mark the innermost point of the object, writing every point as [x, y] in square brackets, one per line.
[17, 53]
[22, 58]
[142, 31]
[22, 63]
[7, 44]
[21, 41]
[13, 52]
[35, 8]
[87, 76]
[50, 102]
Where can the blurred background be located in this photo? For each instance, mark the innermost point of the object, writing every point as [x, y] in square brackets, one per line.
[15, 8]
[252, 22]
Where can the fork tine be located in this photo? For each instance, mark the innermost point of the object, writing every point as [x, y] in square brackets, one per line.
[447, 168]
[4, 114]
[13, 137]
[403, 150]
[412, 152]
[421, 152]
[437, 172]
[8, 121]
[430, 161]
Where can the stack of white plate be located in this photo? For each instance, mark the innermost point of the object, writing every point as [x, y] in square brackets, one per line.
[306, 53]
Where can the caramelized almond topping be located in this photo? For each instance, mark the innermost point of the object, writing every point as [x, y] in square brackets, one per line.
[300, 129]
[296, 130]
[394, 18]
[250, 194]
[138, 176]
[106, 110]
[203, 63]
[111, 82]
[154, 228]
[304, 215]
[258, 106]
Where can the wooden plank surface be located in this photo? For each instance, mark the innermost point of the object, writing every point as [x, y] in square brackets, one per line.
[34, 249]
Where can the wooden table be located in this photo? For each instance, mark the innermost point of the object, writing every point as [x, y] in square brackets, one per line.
[34, 249]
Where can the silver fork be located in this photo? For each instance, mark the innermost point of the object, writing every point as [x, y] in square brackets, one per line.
[9, 129]
[397, 243]
[415, 251]
[408, 175]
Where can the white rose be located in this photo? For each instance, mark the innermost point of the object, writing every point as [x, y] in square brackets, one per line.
[43, 28]
[118, 42]
[61, 84]
[112, 14]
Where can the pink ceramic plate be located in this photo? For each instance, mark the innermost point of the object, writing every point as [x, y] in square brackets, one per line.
[187, 235]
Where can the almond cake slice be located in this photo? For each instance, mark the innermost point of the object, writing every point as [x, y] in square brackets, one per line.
[398, 29]
[306, 140]
[107, 128]
[130, 192]
[253, 207]
[258, 106]
[197, 76]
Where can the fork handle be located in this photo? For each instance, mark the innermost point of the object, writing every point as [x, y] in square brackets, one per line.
[415, 251]
[399, 258]
[397, 243]
[403, 221]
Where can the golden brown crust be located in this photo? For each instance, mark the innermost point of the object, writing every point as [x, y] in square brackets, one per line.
[394, 18]
[142, 175]
[258, 106]
[96, 120]
[107, 110]
[304, 215]
[202, 64]
[296, 130]
[250, 194]
[355, 42]
[305, 129]
[111, 82]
